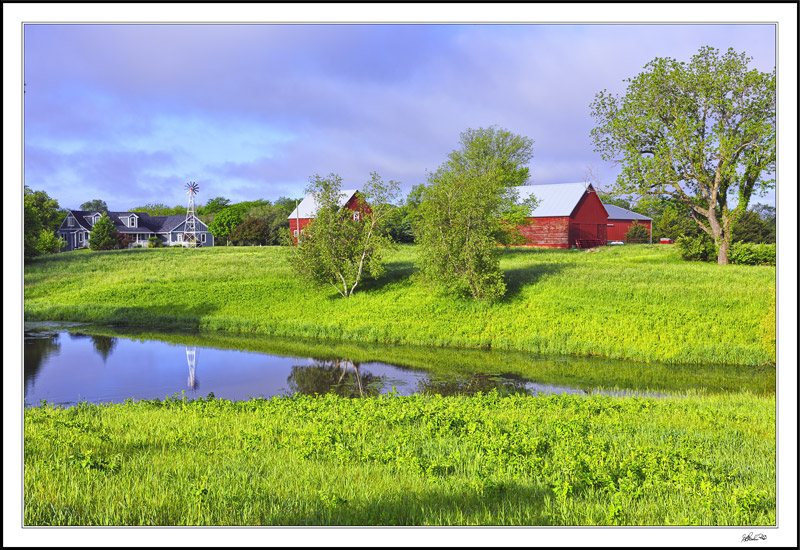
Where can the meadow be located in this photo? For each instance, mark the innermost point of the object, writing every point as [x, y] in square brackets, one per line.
[392, 460]
[639, 302]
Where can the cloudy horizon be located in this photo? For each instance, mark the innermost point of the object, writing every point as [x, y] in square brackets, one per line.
[128, 113]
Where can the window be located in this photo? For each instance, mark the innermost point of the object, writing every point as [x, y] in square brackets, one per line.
[132, 222]
[70, 222]
[295, 233]
[202, 237]
[180, 237]
[356, 216]
[80, 237]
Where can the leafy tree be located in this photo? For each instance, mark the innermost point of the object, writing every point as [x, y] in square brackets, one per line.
[95, 206]
[48, 242]
[159, 209]
[155, 242]
[225, 222]
[217, 204]
[702, 133]
[672, 223]
[339, 248]
[468, 207]
[251, 231]
[401, 223]
[753, 227]
[41, 216]
[637, 233]
[103, 235]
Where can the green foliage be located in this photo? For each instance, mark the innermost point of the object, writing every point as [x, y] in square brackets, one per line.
[275, 217]
[637, 233]
[103, 235]
[159, 209]
[752, 254]
[342, 245]
[673, 222]
[155, 242]
[468, 207]
[226, 221]
[41, 217]
[756, 225]
[48, 243]
[638, 302]
[696, 249]
[217, 204]
[701, 133]
[95, 205]
[251, 231]
[393, 460]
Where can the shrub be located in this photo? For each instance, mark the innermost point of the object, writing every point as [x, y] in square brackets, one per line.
[637, 233]
[155, 242]
[742, 253]
[103, 235]
[697, 249]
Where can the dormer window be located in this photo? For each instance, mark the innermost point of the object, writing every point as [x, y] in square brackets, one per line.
[132, 221]
[70, 221]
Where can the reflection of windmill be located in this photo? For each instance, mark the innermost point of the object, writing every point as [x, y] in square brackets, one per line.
[189, 232]
[191, 358]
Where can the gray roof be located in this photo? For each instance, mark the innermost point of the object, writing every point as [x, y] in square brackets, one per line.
[555, 199]
[308, 207]
[145, 223]
[617, 213]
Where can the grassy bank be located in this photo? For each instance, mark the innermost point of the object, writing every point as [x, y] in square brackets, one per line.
[486, 460]
[636, 302]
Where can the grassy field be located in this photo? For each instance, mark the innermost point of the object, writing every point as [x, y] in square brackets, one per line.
[639, 302]
[485, 460]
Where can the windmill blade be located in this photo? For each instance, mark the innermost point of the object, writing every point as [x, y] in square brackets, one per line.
[192, 188]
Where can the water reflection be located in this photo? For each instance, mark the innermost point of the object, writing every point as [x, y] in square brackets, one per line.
[506, 384]
[102, 344]
[39, 346]
[191, 359]
[333, 376]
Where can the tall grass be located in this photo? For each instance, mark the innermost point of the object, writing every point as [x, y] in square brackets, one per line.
[636, 302]
[486, 460]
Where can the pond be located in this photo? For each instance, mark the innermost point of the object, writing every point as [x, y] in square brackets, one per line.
[68, 365]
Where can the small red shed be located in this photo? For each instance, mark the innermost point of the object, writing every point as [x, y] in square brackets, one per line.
[569, 215]
[306, 211]
[620, 221]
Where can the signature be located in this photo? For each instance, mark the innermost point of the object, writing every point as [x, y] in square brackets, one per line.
[750, 536]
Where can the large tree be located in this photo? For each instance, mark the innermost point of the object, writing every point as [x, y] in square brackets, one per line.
[226, 221]
[42, 216]
[95, 205]
[470, 206]
[103, 235]
[340, 248]
[702, 133]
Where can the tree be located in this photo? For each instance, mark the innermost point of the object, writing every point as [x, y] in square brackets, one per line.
[49, 243]
[41, 217]
[95, 206]
[251, 231]
[341, 246]
[225, 222]
[159, 209]
[217, 204]
[103, 235]
[701, 133]
[637, 233]
[468, 207]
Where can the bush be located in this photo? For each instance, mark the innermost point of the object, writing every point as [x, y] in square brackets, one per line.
[697, 249]
[742, 253]
[155, 242]
[637, 233]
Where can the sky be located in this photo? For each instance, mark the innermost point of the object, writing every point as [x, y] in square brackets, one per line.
[129, 113]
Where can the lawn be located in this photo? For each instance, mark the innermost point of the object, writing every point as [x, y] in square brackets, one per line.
[639, 302]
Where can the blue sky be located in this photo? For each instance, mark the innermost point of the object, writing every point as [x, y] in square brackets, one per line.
[129, 113]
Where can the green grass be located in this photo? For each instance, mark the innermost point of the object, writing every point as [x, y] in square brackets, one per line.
[485, 460]
[638, 302]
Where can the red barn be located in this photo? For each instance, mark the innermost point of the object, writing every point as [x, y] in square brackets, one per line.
[306, 211]
[620, 221]
[569, 215]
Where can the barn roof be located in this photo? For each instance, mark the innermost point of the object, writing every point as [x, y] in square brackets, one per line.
[308, 207]
[618, 213]
[555, 199]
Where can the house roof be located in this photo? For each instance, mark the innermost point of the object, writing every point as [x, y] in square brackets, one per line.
[145, 223]
[617, 213]
[308, 206]
[555, 199]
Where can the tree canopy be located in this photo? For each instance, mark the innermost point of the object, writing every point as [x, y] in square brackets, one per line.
[95, 205]
[343, 245]
[701, 133]
[103, 235]
[469, 206]
[41, 219]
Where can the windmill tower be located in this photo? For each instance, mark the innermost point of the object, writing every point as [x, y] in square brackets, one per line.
[189, 230]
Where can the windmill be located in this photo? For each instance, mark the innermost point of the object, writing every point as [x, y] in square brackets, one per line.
[189, 231]
[191, 359]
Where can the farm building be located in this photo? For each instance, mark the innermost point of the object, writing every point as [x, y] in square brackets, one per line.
[138, 226]
[306, 211]
[620, 221]
[569, 215]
